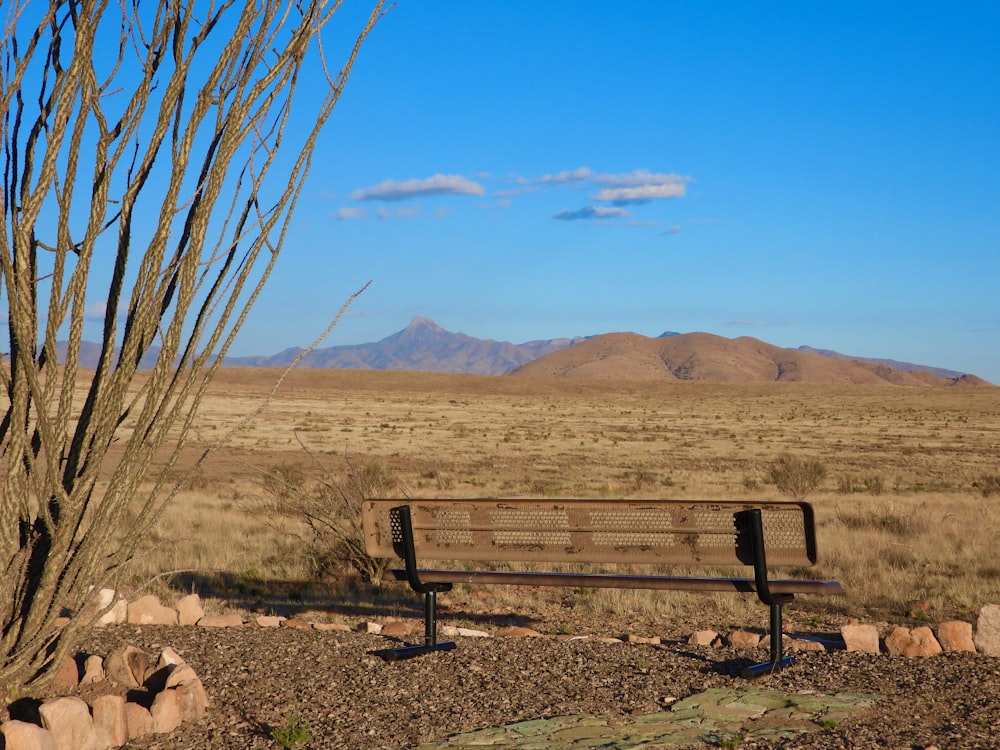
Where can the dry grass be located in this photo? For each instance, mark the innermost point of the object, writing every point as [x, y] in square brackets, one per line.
[902, 509]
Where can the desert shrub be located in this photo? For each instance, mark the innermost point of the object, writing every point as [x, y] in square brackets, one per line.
[640, 476]
[795, 476]
[874, 484]
[887, 520]
[328, 511]
[848, 484]
[988, 484]
[284, 481]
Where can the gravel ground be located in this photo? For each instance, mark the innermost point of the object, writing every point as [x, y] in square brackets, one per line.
[259, 679]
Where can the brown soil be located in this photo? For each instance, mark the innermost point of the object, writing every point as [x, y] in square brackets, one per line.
[262, 679]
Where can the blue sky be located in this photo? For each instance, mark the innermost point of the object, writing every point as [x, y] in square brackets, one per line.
[804, 173]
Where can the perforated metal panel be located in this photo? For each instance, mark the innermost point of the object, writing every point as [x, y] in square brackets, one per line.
[625, 531]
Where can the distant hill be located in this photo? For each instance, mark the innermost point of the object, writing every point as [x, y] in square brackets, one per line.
[894, 364]
[422, 345]
[704, 356]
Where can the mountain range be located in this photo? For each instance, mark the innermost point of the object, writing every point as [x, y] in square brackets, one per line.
[424, 345]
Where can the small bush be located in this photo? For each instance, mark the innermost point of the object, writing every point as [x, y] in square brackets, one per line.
[848, 484]
[988, 484]
[886, 520]
[293, 733]
[329, 508]
[795, 476]
[874, 484]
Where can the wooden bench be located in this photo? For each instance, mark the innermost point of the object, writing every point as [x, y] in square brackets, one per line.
[649, 532]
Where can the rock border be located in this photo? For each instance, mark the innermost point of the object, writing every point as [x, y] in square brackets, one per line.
[952, 635]
[152, 697]
[145, 696]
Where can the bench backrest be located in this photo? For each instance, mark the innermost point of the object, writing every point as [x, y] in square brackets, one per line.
[592, 531]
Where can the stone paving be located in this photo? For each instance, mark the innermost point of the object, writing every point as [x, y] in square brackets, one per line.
[716, 717]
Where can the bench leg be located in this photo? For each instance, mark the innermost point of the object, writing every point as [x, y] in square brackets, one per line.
[401, 516]
[778, 660]
[430, 643]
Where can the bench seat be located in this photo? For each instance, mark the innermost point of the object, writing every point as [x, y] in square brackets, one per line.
[613, 581]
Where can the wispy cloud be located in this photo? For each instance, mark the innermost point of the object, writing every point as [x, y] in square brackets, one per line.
[672, 230]
[346, 213]
[637, 179]
[407, 212]
[580, 174]
[592, 212]
[640, 193]
[439, 184]
[95, 311]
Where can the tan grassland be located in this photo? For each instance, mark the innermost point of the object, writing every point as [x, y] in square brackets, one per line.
[902, 515]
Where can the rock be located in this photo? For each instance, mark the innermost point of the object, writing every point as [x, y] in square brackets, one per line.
[93, 670]
[765, 641]
[330, 627]
[148, 610]
[121, 664]
[917, 642]
[296, 623]
[180, 673]
[924, 642]
[168, 657]
[897, 640]
[192, 699]
[702, 637]
[398, 628]
[650, 640]
[372, 628]
[67, 677]
[140, 664]
[70, 722]
[805, 644]
[955, 635]
[517, 631]
[863, 638]
[23, 735]
[138, 721]
[450, 631]
[189, 610]
[987, 638]
[169, 671]
[268, 621]
[221, 621]
[110, 721]
[166, 711]
[117, 607]
[471, 633]
[743, 639]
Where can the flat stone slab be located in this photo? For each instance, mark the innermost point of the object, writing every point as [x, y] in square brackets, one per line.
[717, 716]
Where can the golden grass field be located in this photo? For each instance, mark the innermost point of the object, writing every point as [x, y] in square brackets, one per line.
[901, 512]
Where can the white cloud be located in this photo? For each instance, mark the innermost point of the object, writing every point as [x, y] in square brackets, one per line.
[639, 178]
[96, 311]
[347, 213]
[592, 212]
[406, 212]
[439, 184]
[640, 193]
[581, 174]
